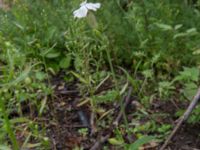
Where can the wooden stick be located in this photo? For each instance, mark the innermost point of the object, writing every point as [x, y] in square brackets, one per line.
[183, 118]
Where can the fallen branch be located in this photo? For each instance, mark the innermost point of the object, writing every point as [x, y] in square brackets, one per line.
[115, 122]
[183, 118]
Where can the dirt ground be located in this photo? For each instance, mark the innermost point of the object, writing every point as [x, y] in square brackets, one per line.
[65, 121]
[187, 138]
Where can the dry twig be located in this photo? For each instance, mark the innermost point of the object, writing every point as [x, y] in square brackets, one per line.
[183, 118]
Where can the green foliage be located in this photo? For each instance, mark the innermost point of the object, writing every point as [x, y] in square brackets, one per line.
[164, 88]
[138, 143]
[140, 28]
[109, 96]
[20, 85]
[188, 75]
[149, 40]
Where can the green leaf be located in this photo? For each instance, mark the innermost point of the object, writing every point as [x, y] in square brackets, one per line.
[178, 26]
[109, 96]
[191, 73]
[188, 74]
[48, 50]
[164, 27]
[65, 62]
[189, 32]
[138, 143]
[19, 120]
[78, 63]
[115, 141]
[148, 73]
[80, 77]
[40, 76]
[18, 25]
[4, 147]
[190, 90]
[179, 35]
[50, 33]
[43, 104]
[52, 54]
[130, 78]
[192, 31]
[196, 52]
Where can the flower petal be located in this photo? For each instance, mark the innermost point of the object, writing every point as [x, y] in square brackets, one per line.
[81, 12]
[93, 6]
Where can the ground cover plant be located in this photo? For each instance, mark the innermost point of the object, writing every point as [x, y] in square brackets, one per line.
[115, 78]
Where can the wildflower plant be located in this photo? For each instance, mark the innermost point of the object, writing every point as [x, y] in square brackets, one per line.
[91, 20]
[84, 8]
[103, 41]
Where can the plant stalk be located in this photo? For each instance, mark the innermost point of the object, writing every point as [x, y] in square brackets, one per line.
[9, 129]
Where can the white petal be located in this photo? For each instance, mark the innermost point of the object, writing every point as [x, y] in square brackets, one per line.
[81, 12]
[93, 6]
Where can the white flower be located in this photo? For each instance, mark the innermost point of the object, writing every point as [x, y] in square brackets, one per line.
[84, 7]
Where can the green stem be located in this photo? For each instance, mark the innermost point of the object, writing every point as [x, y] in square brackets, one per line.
[8, 126]
[146, 21]
[116, 86]
[112, 69]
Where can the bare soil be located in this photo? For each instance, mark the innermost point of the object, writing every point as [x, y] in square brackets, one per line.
[65, 120]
